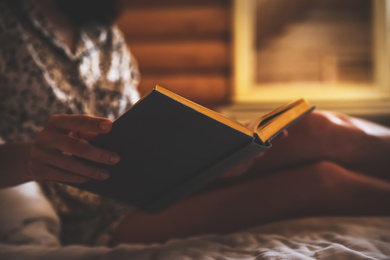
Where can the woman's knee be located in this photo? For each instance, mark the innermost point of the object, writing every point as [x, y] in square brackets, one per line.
[331, 181]
[329, 174]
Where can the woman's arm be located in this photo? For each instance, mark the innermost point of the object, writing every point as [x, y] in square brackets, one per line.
[53, 154]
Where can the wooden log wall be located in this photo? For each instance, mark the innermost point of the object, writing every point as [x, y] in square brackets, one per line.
[183, 45]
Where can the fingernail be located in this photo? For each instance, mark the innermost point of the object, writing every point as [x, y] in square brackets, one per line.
[114, 158]
[105, 125]
[104, 175]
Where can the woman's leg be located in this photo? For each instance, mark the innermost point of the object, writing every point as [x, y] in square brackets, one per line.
[355, 144]
[318, 189]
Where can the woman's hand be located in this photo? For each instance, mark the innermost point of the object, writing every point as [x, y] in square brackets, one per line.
[55, 154]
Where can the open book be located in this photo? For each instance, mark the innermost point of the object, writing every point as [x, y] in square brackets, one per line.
[170, 146]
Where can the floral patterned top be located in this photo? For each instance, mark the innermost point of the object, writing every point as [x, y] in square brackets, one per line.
[40, 76]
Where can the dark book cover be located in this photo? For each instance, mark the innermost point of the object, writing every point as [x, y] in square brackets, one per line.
[168, 150]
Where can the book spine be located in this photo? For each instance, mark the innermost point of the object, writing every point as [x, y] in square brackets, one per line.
[200, 180]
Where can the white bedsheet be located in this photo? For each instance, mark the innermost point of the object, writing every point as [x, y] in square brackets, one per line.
[34, 236]
[313, 238]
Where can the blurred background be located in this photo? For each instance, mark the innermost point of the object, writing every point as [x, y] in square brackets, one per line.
[190, 47]
[182, 45]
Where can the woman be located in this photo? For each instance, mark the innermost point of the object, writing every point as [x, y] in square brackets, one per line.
[62, 57]
[69, 64]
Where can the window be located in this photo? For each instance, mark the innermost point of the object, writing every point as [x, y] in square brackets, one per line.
[335, 53]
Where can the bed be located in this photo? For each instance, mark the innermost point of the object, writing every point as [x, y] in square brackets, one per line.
[29, 229]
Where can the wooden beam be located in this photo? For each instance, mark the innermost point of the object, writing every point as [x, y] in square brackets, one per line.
[203, 89]
[165, 3]
[191, 55]
[138, 24]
